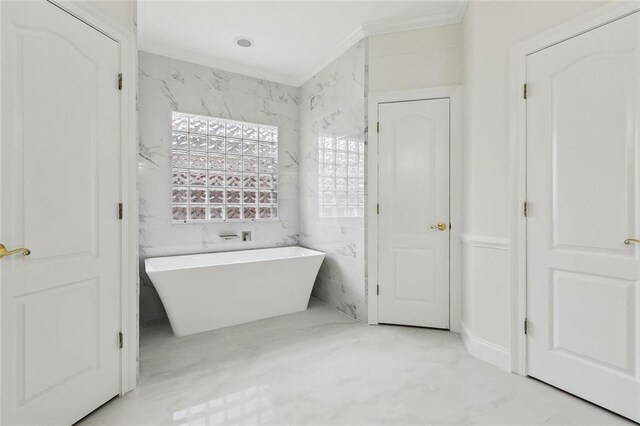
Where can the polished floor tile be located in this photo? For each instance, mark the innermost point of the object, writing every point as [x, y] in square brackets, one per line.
[321, 367]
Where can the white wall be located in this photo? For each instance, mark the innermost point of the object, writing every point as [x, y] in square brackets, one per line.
[122, 13]
[429, 57]
[490, 29]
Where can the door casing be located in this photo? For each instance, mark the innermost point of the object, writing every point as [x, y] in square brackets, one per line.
[454, 94]
[518, 161]
[84, 11]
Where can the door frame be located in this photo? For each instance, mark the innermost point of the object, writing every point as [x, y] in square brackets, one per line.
[126, 39]
[518, 161]
[454, 94]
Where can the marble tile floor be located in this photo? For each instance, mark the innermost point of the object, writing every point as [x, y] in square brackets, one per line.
[321, 367]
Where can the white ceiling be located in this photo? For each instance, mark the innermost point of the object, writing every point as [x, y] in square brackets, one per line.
[292, 39]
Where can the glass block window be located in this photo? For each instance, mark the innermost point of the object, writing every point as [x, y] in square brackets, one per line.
[223, 170]
[341, 176]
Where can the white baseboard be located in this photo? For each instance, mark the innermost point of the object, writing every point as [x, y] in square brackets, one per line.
[485, 350]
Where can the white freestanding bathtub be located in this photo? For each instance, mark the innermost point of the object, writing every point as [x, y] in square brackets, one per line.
[203, 292]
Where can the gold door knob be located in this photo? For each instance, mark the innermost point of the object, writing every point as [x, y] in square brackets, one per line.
[441, 226]
[4, 252]
[631, 240]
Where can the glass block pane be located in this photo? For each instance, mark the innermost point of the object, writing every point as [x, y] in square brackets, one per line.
[197, 213]
[265, 212]
[216, 178]
[341, 198]
[329, 169]
[234, 146]
[360, 185]
[266, 134]
[341, 158]
[268, 149]
[216, 144]
[353, 145]
[352, 198]
[352, 185]
[266, 181]
[267, 197]
[179, 159]
[352, 171]
[216, 195]
[341, 184]
[216, 162]
[234, 130]
[249, 212]
[233, 212]
[233, 196]
[352, 211]
[179, 177]
[179, 213]
[342, 145]
[250, 181]
[179, 122]
[328, 211]
[198, 178]
[216, 127]
[216, 212]
[251, 132]
[198, 125]
[354, 158]
[341, 171]
[361, 147]
[250, 164]
[249, 197]
[267, 165]
[198, 142]
[329, 198]
[329, 156]
[330, 143]
[234, 164]
[197, 195]
[198, 160]
[327, 183]
[179, 195]
[341, 211]
[179, 141]
[234, 179]
[250, 148]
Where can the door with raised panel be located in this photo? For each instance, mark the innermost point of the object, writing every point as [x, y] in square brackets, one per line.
[59, 192]
[413, 222]
[583, 140]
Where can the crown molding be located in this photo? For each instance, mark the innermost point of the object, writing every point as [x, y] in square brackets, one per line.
[342, 47]
[453, 16]
[219, 64]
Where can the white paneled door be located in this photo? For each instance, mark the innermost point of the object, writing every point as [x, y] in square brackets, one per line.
[413, 193]
[583, 140]
[60, 180]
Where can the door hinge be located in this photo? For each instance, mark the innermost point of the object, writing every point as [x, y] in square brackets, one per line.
[378, 127]
[526, 326]
[121, 340]
[120, 214]
[525, 209]
[378, 290]
[377, 208]
[525, 91]
[120, 81]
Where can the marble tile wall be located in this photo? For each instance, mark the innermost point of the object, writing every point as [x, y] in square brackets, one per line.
[167, 85]
[333, 103]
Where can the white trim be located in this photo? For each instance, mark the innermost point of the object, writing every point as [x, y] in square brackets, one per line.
[454, 94]
[86, 12]
[485, 350]
[454, 16]
[342, 47]
[219, 64]
[416, 22]
[517, 158]
[484, 241]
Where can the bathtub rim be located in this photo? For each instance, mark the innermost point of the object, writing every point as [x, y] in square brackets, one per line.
[149, 269]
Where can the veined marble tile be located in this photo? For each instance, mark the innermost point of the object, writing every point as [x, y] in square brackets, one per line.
[167, 85]
[333, 103]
